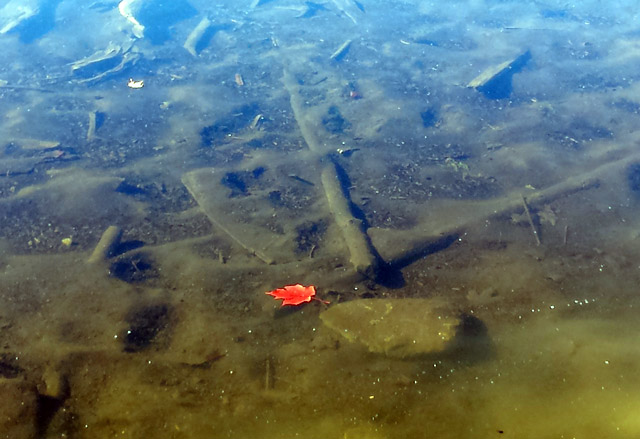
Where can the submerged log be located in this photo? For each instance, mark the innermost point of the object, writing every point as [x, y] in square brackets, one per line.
[97, 66]
[108, 242]
[362, 256]
[91, 130]
[196, 38]
[496, 81]
[341, 51]
[448, 218]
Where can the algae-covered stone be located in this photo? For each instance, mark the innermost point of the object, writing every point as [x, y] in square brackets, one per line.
[398, 328]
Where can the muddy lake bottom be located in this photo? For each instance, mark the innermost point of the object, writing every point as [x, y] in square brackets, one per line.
[171, 339]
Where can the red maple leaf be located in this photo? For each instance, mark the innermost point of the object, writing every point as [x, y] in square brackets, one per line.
[295, 294]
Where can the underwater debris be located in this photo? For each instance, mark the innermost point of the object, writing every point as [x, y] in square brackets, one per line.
[99, 65]
[96, 119]
[256, 122]
[109, 240]
[34, 144]
[133, 268]
[496, 82]
[17, 166]
[21, 156]
[199, 37]
[295, 294]
[534, 229]
[352, 91]
[396, 246]
[144, 326]
[362, 254]
[347, 152]
[341, 51]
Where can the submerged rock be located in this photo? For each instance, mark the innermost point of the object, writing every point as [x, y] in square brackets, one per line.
[398, 328]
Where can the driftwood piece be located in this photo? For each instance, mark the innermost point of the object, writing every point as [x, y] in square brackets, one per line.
[108, 242]
[195, 38]
[110, 52]
[534, 231]
[362, 257]
[341, 51]
[35, 144]
[307, 126]
[32, 153]
[100, 64]
[496, 82]
[91, 130]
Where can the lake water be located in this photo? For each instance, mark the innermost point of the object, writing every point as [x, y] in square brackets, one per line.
[471, 166]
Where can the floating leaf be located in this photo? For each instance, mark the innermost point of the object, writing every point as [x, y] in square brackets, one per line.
[294, 294]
